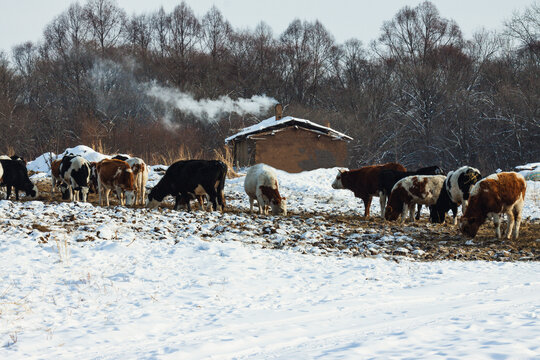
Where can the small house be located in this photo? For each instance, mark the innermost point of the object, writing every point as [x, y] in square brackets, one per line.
[290, 144]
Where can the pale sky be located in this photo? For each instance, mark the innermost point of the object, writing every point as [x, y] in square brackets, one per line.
[24, 20]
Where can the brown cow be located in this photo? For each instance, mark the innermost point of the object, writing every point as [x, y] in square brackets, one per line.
[502, 193]
[115, 175]
[365, 183]
[56, 179]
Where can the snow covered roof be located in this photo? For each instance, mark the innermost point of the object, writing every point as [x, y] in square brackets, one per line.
[272, 123]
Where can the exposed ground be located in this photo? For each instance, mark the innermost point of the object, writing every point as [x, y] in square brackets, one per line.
[338, 234]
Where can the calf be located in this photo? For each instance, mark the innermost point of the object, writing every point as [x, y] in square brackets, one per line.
[412, 190]
[388, 178]
[75, 174]
[365, 183]
[457, 187]
[113, 174]
[13, 174]
[56, 180]
[186, 178]
[502, 193]
[261, 184]
[140, 172]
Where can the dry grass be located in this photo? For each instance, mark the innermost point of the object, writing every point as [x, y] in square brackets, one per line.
[173, 155]
[225, 155]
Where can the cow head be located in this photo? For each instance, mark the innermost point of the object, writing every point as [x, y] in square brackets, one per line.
[65, 189]
[84, 193]
[153, 199]
[130, 197]
[32, 191]
[390, 213]
[338, 184]
[279, 208]
[469, 226]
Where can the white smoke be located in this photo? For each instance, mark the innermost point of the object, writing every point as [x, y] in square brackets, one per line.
[208, 109]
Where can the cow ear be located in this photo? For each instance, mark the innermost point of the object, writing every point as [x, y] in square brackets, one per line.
[283, 198]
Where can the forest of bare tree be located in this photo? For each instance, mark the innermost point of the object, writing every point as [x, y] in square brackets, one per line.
[420, 94]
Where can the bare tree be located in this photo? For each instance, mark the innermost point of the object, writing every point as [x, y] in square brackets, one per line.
[106, 22]
[216, 32]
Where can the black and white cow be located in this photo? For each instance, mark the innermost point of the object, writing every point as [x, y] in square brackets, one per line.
[13, 174]
[389, 178]
[75, 173]
[457, 188]
[186, 178]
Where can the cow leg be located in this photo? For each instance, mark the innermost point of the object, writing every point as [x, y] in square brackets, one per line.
[510, 225]
[418, 212]
[517, 212]
[106, 193]
[412, 208]
[213, 199]
[497, 223]
[262, 205]
[454, 213]
[464, 207]
[382, 202]
[403, 216]
[188, 201]
[8, 191]
[367, 205]
[100, 191]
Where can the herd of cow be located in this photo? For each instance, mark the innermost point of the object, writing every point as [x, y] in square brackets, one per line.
[187, 180]
[480, 199]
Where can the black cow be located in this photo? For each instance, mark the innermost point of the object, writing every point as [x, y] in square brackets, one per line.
[14, 174]
[75, 173]
[120, 157]
[389, 178]
[456, 191]
[186, 178]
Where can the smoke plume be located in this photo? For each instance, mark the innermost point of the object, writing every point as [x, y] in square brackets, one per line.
[209, 109]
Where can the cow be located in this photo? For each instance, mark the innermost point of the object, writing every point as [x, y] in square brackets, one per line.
[13, 174]
[75, 174]
[56, 180]
[388, 178]
[116, 175]
[457, 187]
[186, 178]
[140, 171]
[365, 183]
[412, 190]
[261, 183]
[120, 157]
[497, 194]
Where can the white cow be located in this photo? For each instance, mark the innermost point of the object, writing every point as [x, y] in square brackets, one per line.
[261, 184]
[140, 172]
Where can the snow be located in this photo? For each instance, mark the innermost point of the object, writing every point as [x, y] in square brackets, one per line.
[78, 280]
[273, 122]
[42, 163]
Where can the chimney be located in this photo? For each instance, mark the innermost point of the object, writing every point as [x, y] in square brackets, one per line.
[327, 124]
[279, 111]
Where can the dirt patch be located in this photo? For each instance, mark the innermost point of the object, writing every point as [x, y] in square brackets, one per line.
[358, 236]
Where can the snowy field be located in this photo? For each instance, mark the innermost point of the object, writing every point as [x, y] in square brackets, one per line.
[83, 281]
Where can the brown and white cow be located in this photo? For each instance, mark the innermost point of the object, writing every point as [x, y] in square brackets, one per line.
[365, 183]
[412, 190]
[261, 184]
[502, 193]
[115, 175]
[140, 171]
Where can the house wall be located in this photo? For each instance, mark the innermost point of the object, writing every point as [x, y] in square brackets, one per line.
[296, 149]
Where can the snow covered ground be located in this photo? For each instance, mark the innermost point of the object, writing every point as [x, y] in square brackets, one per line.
[82, 281]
